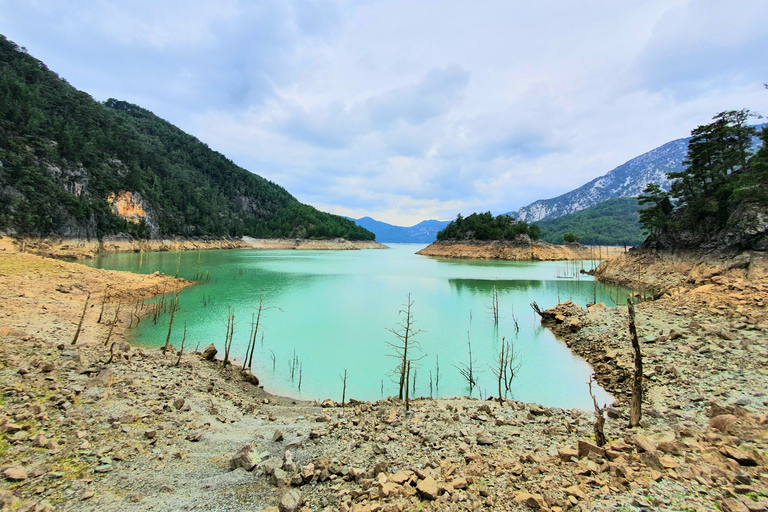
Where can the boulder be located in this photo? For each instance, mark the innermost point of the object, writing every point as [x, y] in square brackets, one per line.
[427, 488]
[290, 501]
[15, 474]
[566, 454]
[585, 448]
[740, 456]
[242, 459]
[209, 353]
[534, 501]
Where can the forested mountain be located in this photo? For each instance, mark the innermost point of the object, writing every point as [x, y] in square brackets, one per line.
[423, 232]
[72, 166]
[626, 180]
[612, 222]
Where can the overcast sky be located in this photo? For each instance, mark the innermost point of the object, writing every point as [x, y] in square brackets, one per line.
[411, 110]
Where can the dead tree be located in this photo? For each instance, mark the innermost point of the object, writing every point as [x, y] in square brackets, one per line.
[112, 325]
[255, 323]
[82, 317]
[493, 308]
[111, 353]
[507, 365]
[407, 396]
[514, 322]
[535, 307]
[343, 387]
[183, 339]
[174, 307]
[229, 335]
[599, 418]
[467, 369]
[635, 406]
[104, 299]
[406, 345]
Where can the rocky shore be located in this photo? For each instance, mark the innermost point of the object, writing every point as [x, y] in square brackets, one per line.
[102, 427]
[515, 250]
[78, 249]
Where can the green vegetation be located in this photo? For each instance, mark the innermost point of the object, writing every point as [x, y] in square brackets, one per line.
[720, 174]
[570, 238]
[484, 226]
[612, 222]
[62, 154]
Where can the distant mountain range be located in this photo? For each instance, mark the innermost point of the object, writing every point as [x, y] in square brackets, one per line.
[423, 232]
[626, 180]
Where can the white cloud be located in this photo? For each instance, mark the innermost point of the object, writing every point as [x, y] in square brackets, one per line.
[406, 110]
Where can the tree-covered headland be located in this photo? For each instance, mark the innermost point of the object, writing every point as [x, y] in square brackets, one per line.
[484, 226]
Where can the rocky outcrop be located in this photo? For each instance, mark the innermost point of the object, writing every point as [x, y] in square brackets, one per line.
[662, 272]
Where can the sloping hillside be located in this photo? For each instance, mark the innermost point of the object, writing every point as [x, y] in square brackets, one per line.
[71, 166]
[612, 222]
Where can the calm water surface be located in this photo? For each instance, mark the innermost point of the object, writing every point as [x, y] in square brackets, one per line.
[331, 311]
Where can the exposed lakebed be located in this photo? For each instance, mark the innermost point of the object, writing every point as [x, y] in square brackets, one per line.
[330, 311]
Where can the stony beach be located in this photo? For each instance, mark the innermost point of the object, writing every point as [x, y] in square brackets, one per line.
[89, 426]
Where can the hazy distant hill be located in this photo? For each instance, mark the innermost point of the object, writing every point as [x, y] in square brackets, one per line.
[626, 180]
[423, 232]
[72, 166]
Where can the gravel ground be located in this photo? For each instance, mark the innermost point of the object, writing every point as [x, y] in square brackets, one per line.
[139, 433]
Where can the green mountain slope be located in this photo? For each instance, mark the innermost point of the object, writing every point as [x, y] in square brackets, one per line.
[64, 158]
[612, 222]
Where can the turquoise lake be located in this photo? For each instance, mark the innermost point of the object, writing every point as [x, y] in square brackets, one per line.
[330, 311]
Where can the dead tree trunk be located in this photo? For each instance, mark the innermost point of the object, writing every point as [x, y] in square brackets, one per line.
[174, 307]
[228, 337]
[82, 317]
[599, 418]
[183, 339]
[104, 299]
[343, 388]
[635, 411]
[407, 379]
[112, 325]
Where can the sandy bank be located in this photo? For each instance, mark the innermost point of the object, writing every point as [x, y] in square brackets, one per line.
[506, 250]
[337, 244]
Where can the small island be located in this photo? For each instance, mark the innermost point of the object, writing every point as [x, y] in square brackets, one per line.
[483, 236]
